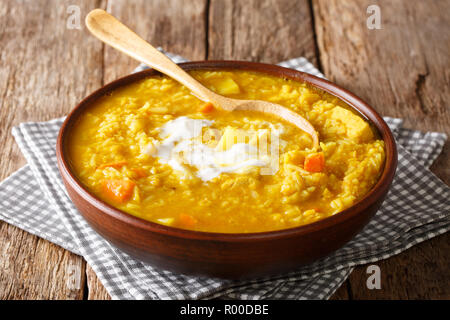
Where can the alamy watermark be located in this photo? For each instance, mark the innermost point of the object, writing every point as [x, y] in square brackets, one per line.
[374, 19]
[73, 277]
[74, 19]
[374, 280]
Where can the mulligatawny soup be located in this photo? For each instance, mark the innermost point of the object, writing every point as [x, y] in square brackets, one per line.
[157, 152]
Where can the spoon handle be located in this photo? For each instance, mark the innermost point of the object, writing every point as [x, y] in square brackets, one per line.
[111, 31]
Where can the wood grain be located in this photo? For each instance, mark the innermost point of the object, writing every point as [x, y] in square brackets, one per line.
[261, 30]
[33, 268]
[36, 47]
[402, 71]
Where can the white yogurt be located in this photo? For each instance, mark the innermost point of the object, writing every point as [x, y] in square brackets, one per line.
[182, 145]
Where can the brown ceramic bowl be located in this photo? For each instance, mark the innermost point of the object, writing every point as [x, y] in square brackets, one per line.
[228, 255]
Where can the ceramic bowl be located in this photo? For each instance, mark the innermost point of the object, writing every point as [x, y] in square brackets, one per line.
[233, 256]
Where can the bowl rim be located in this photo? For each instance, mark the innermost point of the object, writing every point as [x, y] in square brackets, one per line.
[356, 103]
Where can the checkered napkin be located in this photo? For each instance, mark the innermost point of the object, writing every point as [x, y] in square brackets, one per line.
[417, 208]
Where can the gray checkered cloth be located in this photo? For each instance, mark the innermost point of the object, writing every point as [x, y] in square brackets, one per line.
[417, 208]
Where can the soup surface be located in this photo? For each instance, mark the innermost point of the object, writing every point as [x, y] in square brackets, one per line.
[155, 151]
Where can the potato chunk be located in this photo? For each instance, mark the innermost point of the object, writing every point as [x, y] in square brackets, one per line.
[357, 129]
[230, 137]
[227, 86]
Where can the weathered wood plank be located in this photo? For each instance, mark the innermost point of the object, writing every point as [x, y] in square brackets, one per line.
[402, 71]
[45, 68]
[32, 268]
[178, 28]
[264, 31]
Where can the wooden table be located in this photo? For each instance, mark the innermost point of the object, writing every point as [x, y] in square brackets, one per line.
[402, 70]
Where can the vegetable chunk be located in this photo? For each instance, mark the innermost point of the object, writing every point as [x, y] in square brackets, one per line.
[314, 162]
[358, 130]
[115, 165]
[118, 190]
[227, 86]
[187, 220]
[207, 108]
[230, 136]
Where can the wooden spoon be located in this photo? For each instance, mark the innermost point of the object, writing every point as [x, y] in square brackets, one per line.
[111, 31]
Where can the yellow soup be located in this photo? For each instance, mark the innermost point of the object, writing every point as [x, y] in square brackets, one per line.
[157, 152]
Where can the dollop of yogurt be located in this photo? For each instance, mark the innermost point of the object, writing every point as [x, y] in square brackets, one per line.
[182, 149]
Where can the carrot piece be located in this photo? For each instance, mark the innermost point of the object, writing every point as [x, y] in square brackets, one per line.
[115, 165]
[207, 108]
[139, 172]
[314, 162]
[187, 220]
[118, 190]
